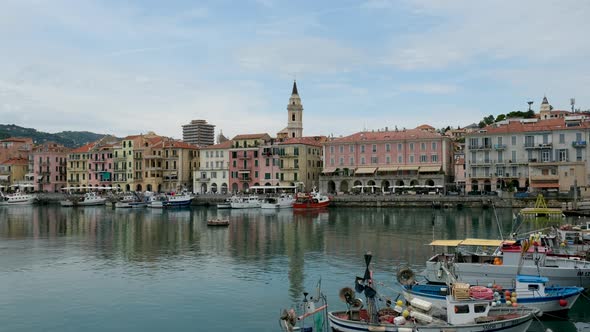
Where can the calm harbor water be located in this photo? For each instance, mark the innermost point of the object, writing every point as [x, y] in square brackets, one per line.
[100, 269]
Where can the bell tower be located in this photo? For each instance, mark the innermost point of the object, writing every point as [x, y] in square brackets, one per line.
[295, 113]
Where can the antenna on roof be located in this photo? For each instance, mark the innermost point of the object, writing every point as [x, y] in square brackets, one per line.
[573, 103]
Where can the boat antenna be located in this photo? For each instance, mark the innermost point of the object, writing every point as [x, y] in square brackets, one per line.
[497, 221]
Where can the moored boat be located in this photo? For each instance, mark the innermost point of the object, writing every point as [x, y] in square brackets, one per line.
[91, 199]
[312, 200]
[462, 313]
[218, 222]
[246, 202]
[530, 291]
[178, 200]
[282, 201]
[17, 198]
[502, 264]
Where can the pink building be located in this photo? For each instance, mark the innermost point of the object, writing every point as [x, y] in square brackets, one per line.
[401, 159]
[245, 161]
[49, 166]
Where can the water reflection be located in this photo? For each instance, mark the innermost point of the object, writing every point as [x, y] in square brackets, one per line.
[261, 248]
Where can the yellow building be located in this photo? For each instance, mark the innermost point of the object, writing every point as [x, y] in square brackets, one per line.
[13, 171]
[77, 166]
[301, 161]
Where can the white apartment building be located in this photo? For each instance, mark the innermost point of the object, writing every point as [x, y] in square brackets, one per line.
[213, 174]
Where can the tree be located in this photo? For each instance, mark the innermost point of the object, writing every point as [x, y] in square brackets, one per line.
[500, 117]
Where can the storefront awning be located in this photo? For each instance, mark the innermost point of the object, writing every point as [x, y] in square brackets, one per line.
[545, 185]
[4, 177]
[429, 169]
[408, 168]
[329, 170]
[388, 169]
[365, 170]
[244, 172]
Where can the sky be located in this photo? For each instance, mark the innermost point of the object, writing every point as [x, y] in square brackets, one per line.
[129, 67]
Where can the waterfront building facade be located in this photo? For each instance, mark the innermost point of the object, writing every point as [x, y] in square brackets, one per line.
[177, 173]
[15, 147]
[100, 165]
[301, 162]
[49, 166]
[77, 167]
[245, 160]
[12, 174]
[199, 133]
[387, 159]
[534, 155]
[211, 173]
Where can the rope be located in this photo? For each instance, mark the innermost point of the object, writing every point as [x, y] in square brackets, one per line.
[538, 320]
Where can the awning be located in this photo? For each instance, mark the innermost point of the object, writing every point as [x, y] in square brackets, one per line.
[545, 184]
[468, 242]
[387, 169]
[40, 178]
[4, 177]
[329, 170]
[365, 170]
[244, 172]
[408, 168]
[427, 169]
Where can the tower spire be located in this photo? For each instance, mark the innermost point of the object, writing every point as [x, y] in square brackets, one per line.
[294, 92]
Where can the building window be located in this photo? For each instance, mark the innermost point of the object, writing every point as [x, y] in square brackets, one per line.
[332, 149]
[400, 159]
[374, 148]
[500, 156]
[411, 146]
[562, 155]
[363, 148]
[433, 146]
[341, 148]
[422, 146]
[423, 158]
[411, 159]
[578, 154]
[434, 158]
[351, 149]
[387, 147]
[351, 161]
[513, 140]
[341, 161]
[513, 157]
[388, 159]
[578, 137]
[399, 147]
[362, 160]
[331, 161]
[473, 143]
[374, 160]
[545, 155]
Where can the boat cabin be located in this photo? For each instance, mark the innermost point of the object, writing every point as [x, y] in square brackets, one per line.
[530, 286]
[466, 311]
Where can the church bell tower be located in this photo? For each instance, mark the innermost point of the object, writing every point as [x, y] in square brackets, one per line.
[295, 113]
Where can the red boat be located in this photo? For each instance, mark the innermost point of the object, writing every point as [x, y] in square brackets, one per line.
[312, 200]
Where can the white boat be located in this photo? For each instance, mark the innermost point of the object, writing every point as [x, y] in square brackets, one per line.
[246, 202]
[282, 201]
[462, 313]
[500, 266]
[17, 198]
[156, 201]
[91, 199]
[178, 200]
[130, 200]
[530, 291]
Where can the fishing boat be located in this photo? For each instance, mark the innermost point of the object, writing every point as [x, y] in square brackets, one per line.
[481, 261]
[17, 198]
[310, 314]
[246, 202]
[155, 201]
[282, 201]
[178, 200]
[218, 222]
[91, 199]
[530, 291]
[312, 200]
[462, 314]
[130, 200]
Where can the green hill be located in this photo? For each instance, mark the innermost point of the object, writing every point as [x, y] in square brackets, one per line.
[71, 139]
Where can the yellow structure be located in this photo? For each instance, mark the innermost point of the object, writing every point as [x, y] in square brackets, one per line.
[301, 162]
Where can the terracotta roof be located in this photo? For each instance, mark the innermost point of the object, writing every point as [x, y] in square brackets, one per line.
[18, 139]
[16, 161]
[179, 144]
[251, 136]
[386, 136]
[540, 125]
[223, 145]
[307, 140]
[83, 148]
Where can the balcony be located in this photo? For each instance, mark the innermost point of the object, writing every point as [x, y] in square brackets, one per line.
[549, 177]
[244, 157]
[152, 156]
[244, 179]
[153, 168]
[289, 155]
[98, 160]
[480, 147]
[579, 144]
[204, 179]
[530, 146]
[499, 146]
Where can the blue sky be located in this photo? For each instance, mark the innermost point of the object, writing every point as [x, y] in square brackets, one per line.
[134, 66]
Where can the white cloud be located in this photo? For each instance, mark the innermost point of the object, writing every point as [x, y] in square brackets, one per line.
[471, 31]
[429, 88]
